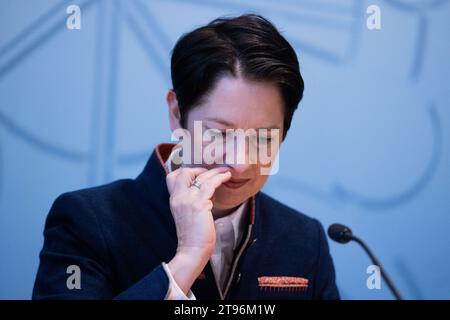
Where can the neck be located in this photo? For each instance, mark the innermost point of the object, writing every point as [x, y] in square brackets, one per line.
[220, 213]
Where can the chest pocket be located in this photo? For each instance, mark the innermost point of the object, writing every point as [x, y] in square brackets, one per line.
[283, 287]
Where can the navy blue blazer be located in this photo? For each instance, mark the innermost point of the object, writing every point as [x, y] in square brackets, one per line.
[120, 233]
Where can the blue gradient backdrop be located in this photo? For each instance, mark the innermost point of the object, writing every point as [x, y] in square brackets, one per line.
[369, 146]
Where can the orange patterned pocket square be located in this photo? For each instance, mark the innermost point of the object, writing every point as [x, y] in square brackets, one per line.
[283, 283]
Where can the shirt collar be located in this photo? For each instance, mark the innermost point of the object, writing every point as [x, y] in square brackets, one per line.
[237, 220]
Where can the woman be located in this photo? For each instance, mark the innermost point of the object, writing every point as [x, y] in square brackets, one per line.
[194, 224]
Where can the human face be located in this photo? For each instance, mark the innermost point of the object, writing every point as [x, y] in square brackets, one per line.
[237, 103]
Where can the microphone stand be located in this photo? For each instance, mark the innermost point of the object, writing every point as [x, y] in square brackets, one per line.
[377, 263]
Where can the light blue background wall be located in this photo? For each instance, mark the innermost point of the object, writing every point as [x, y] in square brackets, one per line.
[369, 146]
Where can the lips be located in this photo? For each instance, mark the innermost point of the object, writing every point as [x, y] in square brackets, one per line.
[236, 183]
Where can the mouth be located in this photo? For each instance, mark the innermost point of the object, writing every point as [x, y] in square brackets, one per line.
[235, 183]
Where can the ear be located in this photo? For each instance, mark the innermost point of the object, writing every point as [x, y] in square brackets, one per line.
[174, 110]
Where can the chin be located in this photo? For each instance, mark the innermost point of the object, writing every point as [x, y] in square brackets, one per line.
[227, 199]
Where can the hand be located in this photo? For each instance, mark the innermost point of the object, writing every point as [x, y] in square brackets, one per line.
[191, 209]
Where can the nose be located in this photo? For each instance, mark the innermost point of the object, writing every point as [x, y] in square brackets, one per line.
[237, 157]
[238, 169]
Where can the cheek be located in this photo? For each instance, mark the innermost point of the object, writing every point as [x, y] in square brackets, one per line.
[259, 182]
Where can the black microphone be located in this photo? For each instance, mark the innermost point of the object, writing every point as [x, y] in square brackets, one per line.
[343, 234]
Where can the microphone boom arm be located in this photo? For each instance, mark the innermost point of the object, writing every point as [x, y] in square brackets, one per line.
[377, 263]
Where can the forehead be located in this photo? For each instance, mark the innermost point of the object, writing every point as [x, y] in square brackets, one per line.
[240, 103]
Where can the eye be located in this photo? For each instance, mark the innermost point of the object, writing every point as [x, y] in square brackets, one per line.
[222, 134]
[264, 139]
[213, 132]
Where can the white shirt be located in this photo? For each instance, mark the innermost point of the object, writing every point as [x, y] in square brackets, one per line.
[229, 233]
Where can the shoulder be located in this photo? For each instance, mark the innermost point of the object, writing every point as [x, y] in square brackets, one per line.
[91, 206]
[119, 194]
[99, 195]
[288, 221]
[276, 210]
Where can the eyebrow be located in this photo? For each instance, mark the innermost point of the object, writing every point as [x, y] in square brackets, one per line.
[229, 124]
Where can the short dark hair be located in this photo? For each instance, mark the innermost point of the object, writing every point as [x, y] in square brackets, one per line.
[247, 45]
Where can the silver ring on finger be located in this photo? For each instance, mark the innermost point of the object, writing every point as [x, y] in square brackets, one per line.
[196, 184]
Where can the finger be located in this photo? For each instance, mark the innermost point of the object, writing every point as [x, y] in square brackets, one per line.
[171, 178]
[210, 173]
[209, 187]
[186, 177]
